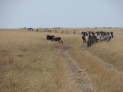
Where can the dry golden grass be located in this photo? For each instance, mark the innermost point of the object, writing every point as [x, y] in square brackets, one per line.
[103, 62]
[29, 63]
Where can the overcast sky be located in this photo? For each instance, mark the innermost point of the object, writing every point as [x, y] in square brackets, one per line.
[61, 13]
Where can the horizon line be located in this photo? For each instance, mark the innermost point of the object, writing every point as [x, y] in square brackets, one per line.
[58, 27]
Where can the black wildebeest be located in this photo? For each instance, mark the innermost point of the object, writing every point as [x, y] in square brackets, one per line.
[30, 29]
[54, 38]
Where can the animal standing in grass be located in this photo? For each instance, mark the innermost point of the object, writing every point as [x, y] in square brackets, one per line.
[30, 29]
[90, 38]
[54, 38]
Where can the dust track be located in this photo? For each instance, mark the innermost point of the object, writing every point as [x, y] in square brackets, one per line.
[77, 78]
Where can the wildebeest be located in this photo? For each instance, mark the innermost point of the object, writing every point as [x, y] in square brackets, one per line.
[30, 29]
[54, 38]
[92, 37]
[49, 37]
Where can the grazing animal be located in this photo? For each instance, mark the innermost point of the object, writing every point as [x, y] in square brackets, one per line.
[93, 37]
[49, 37]
[30, 29]
[84, 39]
[54, 38]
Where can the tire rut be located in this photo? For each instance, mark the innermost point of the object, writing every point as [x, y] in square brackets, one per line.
[78, 78]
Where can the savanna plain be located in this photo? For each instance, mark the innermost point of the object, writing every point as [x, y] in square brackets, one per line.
[30, 63]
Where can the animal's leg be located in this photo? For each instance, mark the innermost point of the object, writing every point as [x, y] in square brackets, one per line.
[88, 44]
[62, 42]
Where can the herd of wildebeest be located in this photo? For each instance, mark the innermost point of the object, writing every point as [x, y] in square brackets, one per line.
[89, 38]
[93, 37]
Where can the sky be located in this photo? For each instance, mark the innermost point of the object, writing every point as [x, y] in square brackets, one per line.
[61, 13]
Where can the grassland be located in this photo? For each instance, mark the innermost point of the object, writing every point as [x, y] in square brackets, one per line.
[30, 63]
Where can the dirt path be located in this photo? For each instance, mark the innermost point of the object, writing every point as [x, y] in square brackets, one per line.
[77, 80]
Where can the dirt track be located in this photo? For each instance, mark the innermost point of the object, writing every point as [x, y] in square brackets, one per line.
[77, 80]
